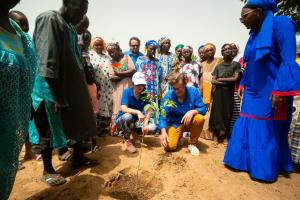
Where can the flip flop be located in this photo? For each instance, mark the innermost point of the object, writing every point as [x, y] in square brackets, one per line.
[95, 148]
[20, 166]
[38, 157]
[67, 156]
[53, 179]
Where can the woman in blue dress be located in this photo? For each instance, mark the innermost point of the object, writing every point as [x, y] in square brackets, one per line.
[152, 69]
[259, 141]
[18, 62]
[166, 59]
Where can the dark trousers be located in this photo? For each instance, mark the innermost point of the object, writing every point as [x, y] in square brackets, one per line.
[42, 125]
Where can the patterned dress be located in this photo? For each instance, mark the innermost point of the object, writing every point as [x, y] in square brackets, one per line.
[124, 64]
[18, 64]
[208, 68]
[295, 128]
[100, 63]
[153, 74]
[192, 71]
[166, 62]
[295, 142]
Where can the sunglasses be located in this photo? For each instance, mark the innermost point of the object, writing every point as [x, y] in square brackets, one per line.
[245, 15]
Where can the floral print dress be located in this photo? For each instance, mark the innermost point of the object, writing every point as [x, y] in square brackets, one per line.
[100, 63]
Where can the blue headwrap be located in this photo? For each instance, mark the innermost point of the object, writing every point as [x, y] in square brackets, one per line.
[264, 4]
[151, 43]
[200, 47]
[263, 38]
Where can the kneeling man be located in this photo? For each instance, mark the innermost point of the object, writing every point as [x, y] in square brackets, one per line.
[132, 117]
[187, 115]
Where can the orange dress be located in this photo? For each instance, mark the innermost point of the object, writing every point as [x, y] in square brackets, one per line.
[124, 64]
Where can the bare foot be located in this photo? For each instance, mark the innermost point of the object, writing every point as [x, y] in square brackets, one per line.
[215, 144]
[225, 142]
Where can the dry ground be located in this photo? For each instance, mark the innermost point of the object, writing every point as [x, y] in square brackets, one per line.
[161, 176]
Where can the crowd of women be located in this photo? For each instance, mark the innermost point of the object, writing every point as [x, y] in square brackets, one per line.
[258, 137]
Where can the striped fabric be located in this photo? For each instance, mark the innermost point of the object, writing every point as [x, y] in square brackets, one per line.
[236, 110]
[295, 142]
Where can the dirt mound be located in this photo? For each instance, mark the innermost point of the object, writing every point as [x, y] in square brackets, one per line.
[142, 186]
[170, 161]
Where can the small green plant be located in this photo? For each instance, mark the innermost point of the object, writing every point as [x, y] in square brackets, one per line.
[194, 57]
[153, 104]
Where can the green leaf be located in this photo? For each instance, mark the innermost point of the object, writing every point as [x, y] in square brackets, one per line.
[163, 113]
[170, 103]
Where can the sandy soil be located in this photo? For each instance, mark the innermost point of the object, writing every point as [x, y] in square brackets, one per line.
[160, 176]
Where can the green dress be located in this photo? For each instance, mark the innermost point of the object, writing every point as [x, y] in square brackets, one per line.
[18, 63]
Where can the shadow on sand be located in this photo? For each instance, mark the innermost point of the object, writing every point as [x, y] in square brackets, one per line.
[79, 187]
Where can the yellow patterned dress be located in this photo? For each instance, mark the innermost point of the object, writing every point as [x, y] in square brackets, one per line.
[208, 68]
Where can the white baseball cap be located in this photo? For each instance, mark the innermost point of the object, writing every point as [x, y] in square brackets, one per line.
[138, 78]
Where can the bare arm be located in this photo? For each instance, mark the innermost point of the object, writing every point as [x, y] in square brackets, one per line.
[125, 74]
[125, 109]
[164, 139]
[114, 78]
[200, 79]
[148, 115]
[216, 81]
[234, 78]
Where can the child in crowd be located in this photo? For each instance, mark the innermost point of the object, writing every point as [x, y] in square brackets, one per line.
[224, 77]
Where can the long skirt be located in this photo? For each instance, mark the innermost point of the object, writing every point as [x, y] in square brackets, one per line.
[260, 146]
[11, 141]
[222, 108]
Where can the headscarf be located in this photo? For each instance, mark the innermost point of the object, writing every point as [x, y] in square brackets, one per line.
[113, 45]
[179, 46]
[207, 45]
[187, 47]
[151, 43]
[263, 38]
[264, 4]
[98, 38]
[200, 47]
[162, 40]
